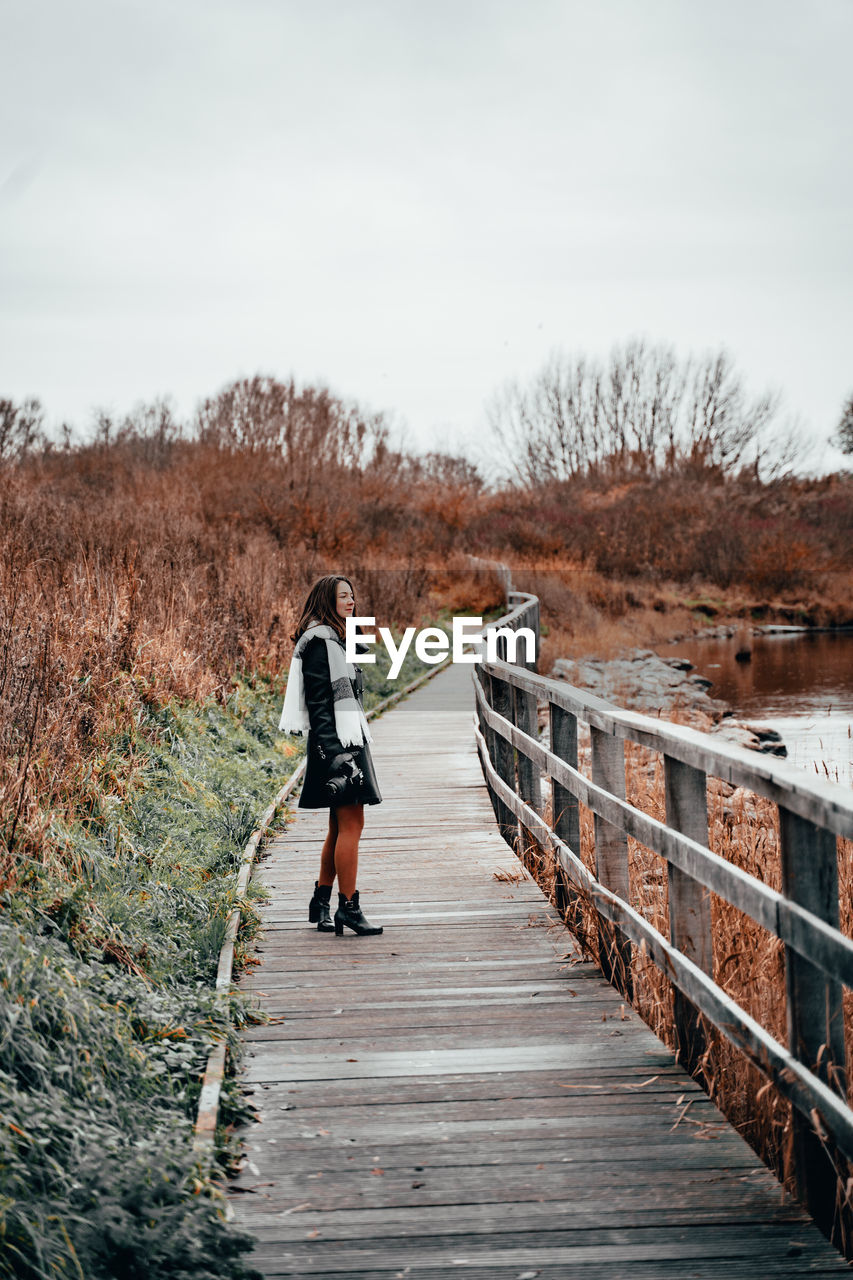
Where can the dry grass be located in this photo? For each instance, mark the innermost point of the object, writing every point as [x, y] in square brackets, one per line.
[511, 875]
[159, 562]
[126, 583]
[153, 566]
[748, 961]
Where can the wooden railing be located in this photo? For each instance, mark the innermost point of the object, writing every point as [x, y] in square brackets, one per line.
[811, 1069]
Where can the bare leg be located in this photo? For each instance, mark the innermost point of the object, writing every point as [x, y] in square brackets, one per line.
[327, 856]
[350, 821]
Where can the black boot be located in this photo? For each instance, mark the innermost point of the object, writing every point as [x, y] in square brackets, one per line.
[349, 913]
[318, 908]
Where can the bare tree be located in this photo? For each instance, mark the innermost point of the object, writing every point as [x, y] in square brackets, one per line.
[724, 427]
[309, 428]
[843, 437]
[518, 433]
[151, 431]
[21, 428]
[247, 416]
[449, 470]
[317, 459]
[643, 411]
[550, 430]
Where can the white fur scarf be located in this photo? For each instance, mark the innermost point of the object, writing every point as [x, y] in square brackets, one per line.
[350, 720]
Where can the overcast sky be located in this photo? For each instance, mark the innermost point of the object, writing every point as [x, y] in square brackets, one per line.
[413, 200]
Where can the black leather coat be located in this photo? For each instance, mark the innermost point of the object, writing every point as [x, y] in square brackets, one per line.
[323, 741]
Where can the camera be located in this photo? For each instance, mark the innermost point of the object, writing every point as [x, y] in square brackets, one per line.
[346, 774]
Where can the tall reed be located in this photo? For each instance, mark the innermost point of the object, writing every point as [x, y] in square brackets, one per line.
[748, 961]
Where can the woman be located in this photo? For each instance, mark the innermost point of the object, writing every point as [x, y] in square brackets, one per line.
[324, 699]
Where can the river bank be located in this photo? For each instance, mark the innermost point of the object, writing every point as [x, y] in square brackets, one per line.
[669, 687]
[782, 690]
[798, 682]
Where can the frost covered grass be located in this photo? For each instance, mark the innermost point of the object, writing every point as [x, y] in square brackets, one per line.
[107, 1012]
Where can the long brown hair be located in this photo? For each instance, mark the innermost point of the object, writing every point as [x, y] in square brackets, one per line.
[321, 605]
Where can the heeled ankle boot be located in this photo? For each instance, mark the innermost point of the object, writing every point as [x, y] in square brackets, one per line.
[349, 913]
[319, 912]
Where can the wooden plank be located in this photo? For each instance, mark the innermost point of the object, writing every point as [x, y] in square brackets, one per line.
[494, 1070]
[504, 760]
[689, 903]
[564, 806]
[701, 1201]
[611, 857]
[701, 1269]
[526, 717]
[622, 1250]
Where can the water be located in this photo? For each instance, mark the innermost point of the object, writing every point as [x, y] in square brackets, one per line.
[800, 684]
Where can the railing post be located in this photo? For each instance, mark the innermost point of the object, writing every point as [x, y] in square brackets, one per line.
[527, 719]
[815, 1014]
[488, 733]
[504, 759]
[532, 621]
[611, 857]
[689, 902]
[566, 811]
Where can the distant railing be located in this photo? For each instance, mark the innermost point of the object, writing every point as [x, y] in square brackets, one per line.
[810, 1070]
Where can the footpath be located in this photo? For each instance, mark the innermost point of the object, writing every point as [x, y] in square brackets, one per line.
[463, 1095]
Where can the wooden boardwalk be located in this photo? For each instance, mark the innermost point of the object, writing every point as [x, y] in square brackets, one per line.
[462, 1096]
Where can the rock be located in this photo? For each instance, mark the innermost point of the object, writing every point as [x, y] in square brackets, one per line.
[738, 734]
[770, 740]
[740, 807]
[743, 644]
[755, 738]
[643, 681]
[766, 735]
[669, 688]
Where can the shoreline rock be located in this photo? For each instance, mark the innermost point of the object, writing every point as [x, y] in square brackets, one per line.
[754, 736]
[728, 630]
[669, 688]
[643, 681]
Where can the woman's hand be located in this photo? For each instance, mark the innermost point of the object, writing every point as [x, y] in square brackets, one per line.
[344, 762]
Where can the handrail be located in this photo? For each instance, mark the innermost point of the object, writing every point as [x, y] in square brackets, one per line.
[827, 803]
[804, 916]
[794, 1079]
[801, 929]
